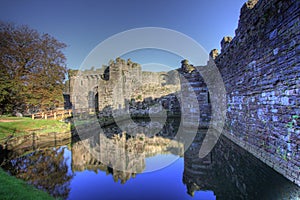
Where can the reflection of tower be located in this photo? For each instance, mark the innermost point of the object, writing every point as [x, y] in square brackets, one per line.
[215, 172]
[198, 172]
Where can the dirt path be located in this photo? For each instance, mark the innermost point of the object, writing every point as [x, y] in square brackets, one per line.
[9, 120]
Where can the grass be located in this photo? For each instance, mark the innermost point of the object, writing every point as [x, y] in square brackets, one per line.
[13, 188]
[18, 126]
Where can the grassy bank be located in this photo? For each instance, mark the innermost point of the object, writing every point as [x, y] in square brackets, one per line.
[18, 126]
[13, 188]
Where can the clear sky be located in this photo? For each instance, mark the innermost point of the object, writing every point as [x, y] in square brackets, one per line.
[84, 24]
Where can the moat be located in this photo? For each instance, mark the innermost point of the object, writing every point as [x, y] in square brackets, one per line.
[66, 169]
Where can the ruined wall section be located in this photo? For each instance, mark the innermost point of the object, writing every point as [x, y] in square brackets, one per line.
[152, 78]
[116, 84]
[124, 78]
[127, 83]
[122, 85]
[260, 68]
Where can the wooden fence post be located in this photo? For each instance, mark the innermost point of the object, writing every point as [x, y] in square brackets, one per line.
[54, 115]
[45, 116]
[32, 116]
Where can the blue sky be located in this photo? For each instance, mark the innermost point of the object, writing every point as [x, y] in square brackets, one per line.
[82, 25]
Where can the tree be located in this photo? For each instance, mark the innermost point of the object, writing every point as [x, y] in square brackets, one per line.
[32, 69]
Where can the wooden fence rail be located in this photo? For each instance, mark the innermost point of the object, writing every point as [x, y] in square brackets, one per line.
[58, 114]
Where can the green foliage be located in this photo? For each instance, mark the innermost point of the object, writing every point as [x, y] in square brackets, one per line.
[13, 188]
[72, 72]
[129, 62]
[292, 123]
[32, 69]
[295, 116]
[139, 97]
[289, 124]
[185, 62]
[284, 156]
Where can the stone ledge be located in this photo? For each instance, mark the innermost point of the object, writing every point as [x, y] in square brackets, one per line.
[32, 139]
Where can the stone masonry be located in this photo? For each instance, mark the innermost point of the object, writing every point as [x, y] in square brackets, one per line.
[261, 71]
[117, 82]
[123, 86]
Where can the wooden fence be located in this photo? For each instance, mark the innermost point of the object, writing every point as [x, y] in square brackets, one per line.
[54, 114]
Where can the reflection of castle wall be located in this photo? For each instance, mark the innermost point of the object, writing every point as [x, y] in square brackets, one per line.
[205, 174]
[232, 173]
[110, 152]
[121, 157]
[106, 159]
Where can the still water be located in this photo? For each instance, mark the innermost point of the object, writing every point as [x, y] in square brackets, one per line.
[160, 167]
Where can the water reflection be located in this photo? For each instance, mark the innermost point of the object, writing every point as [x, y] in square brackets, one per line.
[232, 173]
[46, 169]
[123, 155]
[69, 170]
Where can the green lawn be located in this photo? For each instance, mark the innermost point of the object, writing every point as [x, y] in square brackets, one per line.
[17, 126]
[13, 188]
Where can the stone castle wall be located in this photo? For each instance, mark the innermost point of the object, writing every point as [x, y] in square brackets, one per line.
[195, 96]
[260, 68]
[122, 86]
[123, 80]
[116, 83]
[81, 84]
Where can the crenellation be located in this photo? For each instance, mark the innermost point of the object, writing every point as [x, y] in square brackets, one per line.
[251, 3]
[225, 42]
[213, 54]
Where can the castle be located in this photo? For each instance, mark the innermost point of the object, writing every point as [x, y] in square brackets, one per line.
[111, 84]
[122, 85]
[260, 70]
